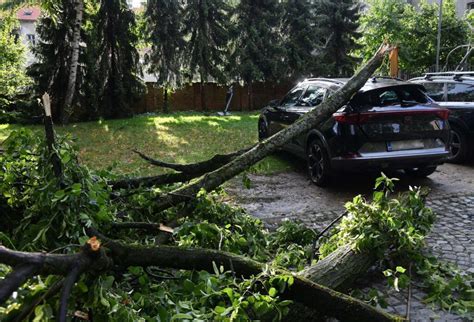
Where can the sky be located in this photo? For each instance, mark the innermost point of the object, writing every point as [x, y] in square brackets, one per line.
[136, 3]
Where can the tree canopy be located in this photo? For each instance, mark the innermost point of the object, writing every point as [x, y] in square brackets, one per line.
[414, 30]
[338, 25]
[12, 59]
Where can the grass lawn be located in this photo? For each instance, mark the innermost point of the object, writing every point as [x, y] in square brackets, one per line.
[180, 137]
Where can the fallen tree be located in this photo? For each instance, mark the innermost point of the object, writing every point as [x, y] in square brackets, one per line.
[186, 171]
[214, 179]
[73, 188]
[94, 258]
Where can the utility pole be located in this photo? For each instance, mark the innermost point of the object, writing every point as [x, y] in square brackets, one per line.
[438, 41]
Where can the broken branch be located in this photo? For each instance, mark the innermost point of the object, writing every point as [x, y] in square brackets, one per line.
[197, 168]
[15, 279]
[212, 180]
[50, 137]
[153, 227]
[71, 278]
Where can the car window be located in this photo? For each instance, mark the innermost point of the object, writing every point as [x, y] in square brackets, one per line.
[292, 97]
[397, 95]
[460, 92]
[435, 91]
[313, 96]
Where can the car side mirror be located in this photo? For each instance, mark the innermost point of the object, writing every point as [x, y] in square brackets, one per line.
[274, 103]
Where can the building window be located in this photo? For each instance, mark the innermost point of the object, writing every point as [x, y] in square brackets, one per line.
[470, 6]
[31, 38]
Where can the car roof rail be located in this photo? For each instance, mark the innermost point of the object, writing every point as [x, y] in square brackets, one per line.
[374, 79]
[455, 75]
[324, 79]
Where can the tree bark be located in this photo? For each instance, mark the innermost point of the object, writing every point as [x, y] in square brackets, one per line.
[188, 171]
[212, 180]
[51, 137]
[312, 295]
[151, 181]
[340, 268]
[199, 168]
[71, 84]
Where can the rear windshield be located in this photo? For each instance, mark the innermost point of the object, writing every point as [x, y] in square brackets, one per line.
[405, 95]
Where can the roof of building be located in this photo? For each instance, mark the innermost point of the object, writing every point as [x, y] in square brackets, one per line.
[28, 14]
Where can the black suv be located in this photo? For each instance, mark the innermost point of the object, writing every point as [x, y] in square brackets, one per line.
[388, 124]
[454, 91]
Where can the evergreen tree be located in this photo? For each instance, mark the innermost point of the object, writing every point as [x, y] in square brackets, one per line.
[207, 24]
[258, 53]
[54, 53]
[300, 36]
[118, 59]
[164, 33]
[338, 21]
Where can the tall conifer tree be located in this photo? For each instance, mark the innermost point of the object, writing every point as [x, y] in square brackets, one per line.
[118, 59]
[207, 24]
[301, 36]
[338, 21]
[54, 52]
[258, 53]
[165, 35]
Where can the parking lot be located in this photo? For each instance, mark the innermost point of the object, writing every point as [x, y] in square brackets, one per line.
[291, 196]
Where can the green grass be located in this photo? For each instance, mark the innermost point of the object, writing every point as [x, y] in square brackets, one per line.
[181, 137]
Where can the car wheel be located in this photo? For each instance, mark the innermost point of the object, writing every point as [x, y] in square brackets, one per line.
[459, 146]
[262, 130]
[421, 172]
[318, 163]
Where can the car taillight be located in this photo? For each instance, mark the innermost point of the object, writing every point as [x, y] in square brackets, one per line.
[443, 114]
[353, 118]
[346, 118]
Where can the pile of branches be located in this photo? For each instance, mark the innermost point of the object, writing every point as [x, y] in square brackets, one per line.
[53, 201]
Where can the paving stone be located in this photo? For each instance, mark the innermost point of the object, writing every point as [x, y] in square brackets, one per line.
[452, 239]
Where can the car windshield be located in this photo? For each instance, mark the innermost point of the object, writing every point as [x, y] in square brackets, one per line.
[404, 96]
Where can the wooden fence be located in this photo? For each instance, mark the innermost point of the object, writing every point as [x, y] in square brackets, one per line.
[188, 98]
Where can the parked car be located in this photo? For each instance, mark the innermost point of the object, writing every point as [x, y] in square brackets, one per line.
[388, 124]
[454, 91]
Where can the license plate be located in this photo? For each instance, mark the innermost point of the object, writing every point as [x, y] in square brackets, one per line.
[405, 145]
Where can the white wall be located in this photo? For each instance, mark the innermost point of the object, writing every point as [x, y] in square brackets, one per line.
[28, 28]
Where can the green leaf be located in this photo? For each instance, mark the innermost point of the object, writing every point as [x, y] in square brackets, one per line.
[181, 316]
[219, 309]
[272, 292]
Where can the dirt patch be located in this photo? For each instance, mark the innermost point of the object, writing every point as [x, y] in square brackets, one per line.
[291, 193]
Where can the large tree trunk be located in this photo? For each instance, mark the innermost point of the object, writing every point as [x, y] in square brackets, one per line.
[324, 300]
[214, 179]
[340, 268]
[71, 84]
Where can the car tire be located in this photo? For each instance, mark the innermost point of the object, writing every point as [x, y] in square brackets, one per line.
[459, 146]
[421, 172]
[317, 163]
[262, 130]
